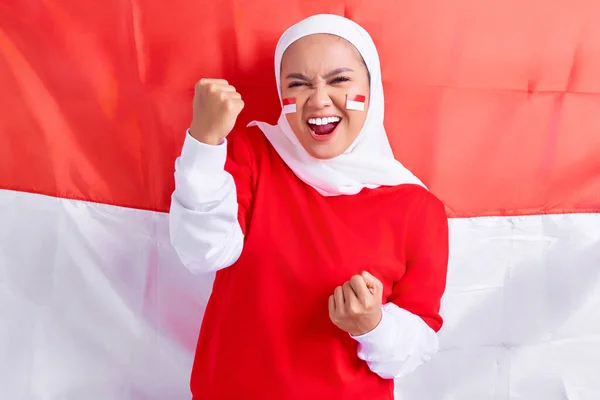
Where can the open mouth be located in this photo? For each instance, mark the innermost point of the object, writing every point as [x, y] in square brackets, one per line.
[322, 128]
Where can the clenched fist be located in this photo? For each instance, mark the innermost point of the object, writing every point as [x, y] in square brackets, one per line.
[355, 307]
[216, 107]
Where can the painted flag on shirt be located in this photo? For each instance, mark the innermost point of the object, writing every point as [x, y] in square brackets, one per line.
[94, 303]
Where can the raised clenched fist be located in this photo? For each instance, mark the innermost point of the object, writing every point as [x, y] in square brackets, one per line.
[216, 107]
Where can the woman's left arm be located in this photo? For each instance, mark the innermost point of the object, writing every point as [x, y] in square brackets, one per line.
[406, 337]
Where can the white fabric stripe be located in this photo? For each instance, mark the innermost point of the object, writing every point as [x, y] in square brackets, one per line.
[521, 312]
[355, 105]
[95, 304]
[289, 108]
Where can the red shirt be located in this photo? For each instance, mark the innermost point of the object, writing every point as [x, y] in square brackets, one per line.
[266, 332]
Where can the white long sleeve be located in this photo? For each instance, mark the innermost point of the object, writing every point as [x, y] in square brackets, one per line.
[398, 345]
[203, 219]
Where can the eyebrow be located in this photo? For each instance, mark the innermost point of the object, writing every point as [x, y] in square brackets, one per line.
[326, 76]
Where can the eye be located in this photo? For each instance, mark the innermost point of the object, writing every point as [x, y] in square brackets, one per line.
[339, 79]
[295, 84]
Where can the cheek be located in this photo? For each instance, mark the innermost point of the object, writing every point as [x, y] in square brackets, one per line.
[356, 121]
[296, 122]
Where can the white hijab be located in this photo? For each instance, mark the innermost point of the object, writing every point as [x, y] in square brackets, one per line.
[369, 162]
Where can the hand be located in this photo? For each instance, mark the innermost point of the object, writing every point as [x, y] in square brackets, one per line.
[355, 307]
[216, 107]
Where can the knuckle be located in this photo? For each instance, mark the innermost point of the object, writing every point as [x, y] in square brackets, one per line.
[212, 88]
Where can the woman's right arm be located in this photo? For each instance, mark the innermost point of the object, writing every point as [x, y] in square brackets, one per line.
[213, 183]
[203, 220]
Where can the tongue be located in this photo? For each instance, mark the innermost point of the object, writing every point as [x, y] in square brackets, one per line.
[323, 129]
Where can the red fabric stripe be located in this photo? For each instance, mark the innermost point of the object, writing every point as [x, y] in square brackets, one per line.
[96, 110]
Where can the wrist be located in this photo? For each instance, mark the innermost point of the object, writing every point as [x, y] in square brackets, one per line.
[209, 139]
[369, 325]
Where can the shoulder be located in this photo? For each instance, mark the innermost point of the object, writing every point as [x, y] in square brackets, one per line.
[426, 224]
[251, 138]
[419, 208]
[427, 208]
[425, 201]
[415, 200]
[246, 144]
[250, 142]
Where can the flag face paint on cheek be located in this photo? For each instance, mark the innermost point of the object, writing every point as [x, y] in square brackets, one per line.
[355, 102]
[289, 105]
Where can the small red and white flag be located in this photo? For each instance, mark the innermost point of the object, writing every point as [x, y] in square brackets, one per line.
[355, 102]
[289, 105]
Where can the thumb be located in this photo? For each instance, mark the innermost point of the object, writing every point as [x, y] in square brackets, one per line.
[373, 284]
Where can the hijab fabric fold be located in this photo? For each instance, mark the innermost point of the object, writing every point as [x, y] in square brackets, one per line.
[369, 162]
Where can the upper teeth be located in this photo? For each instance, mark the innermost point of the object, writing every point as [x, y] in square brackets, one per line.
[323, 121]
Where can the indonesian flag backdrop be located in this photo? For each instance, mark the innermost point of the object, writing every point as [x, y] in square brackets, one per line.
[495, 105]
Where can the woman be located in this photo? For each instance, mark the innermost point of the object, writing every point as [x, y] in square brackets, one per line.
[331, 256]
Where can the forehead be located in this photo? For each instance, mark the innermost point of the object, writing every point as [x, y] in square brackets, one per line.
[320, 51]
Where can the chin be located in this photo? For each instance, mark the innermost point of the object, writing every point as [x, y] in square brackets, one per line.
[324, 148]
[325, 152]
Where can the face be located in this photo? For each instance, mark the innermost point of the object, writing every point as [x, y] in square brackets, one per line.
[319, 71]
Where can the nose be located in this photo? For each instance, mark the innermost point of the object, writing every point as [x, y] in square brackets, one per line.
[319, 99]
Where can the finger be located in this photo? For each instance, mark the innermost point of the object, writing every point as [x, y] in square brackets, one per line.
[234, 95]
[235, 105]
[225, 96]
[239, 104]
[216, 87]
[338, 296]
[373, 283]
[331, 307]
[207, 81]
[360, 287]
[227, 88]
[351, 302]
